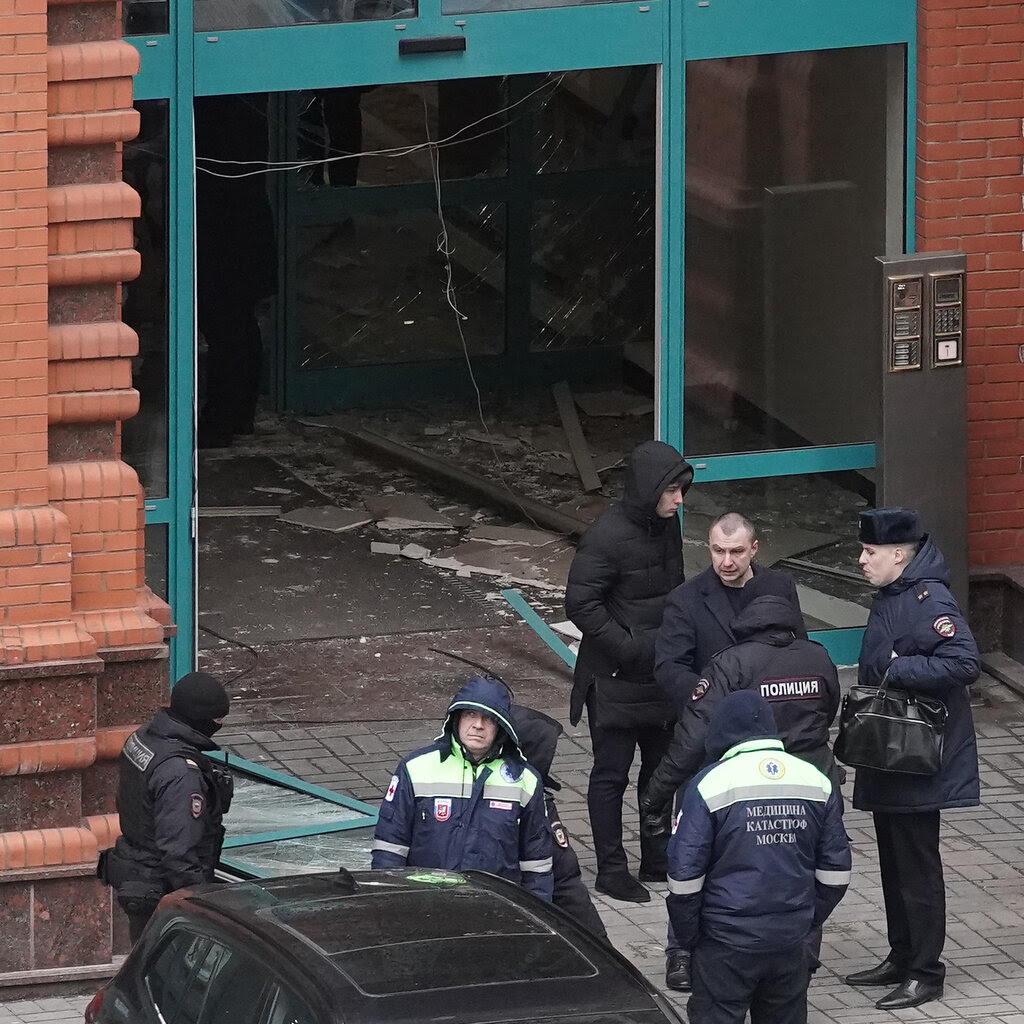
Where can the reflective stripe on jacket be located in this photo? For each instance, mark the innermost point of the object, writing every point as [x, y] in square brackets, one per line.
[442, 811]
[759, 853]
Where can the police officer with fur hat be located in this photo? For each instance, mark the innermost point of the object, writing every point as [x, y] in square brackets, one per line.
[171, 799]
[916, 639]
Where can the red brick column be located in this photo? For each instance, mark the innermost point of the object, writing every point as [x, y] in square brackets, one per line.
[969, 186]
[82, 639]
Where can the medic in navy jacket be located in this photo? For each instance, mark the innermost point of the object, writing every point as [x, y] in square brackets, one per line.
[469, 800]
[758, 858]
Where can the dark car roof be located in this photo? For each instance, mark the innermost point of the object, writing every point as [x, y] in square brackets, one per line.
[428, 945]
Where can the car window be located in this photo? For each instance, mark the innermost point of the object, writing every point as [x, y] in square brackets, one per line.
[169, 977]
[286, 1008]
[194, 979]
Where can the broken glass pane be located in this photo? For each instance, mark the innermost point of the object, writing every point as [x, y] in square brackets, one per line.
[305, 854]
[263, 806]
[374, 289]
[592, 279]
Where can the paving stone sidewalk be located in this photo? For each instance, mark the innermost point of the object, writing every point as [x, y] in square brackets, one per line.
[982, 850]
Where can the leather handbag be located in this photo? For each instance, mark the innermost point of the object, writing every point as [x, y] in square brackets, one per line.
[891, 730]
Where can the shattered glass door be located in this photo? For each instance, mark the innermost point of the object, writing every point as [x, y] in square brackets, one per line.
[508, 222]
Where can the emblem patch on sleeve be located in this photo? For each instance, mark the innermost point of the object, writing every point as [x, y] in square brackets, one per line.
[700, 689]
[196, 805]
[558, 831]
[392, 786]
[944, 626]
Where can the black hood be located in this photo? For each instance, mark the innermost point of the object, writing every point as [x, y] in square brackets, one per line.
[768, 614]
[928, 564]
[652, 466]
[538, 737]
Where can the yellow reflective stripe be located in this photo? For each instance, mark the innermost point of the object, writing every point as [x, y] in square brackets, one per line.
[685, 887]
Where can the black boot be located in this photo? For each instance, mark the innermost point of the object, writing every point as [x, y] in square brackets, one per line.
[622, 886]
[677, 971]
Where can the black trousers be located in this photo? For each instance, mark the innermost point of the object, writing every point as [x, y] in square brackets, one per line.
[613, 757]
[914, 891]
[727, 982]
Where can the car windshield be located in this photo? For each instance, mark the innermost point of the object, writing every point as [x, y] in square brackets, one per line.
[472, 938]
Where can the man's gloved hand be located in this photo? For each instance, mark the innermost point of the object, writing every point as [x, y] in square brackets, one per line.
[655, 821]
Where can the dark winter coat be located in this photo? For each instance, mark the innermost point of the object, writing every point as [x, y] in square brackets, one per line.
[758, 856]
[917, 617]
[443, 811]
[795, 676]
[170, 800]
[626, 565]
[698, 624]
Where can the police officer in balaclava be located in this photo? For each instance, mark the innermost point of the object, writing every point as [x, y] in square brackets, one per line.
[170, 799]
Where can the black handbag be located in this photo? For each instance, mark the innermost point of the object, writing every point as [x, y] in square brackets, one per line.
[891, 730]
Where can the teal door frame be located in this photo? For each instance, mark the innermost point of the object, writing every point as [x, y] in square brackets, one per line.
[665, 33]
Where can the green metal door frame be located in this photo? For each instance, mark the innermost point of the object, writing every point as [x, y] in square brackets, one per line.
[665, 33]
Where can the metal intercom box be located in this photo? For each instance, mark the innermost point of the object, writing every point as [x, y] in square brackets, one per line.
[922, 450]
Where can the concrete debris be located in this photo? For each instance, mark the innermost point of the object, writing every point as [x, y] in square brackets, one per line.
[380, 547]
[415, 551]
[546, 566]
[327, 517]
[577, 441]
[498, 440]
[586, 507]
[435, 431]
[274, 490]
[567, 628]
[513, 535]
[240, 511]
[401, 511]
[614, 403]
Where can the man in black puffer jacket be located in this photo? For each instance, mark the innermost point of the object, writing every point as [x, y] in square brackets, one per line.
[625, 567]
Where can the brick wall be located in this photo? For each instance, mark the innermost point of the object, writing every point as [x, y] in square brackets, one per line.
[82, 639]
[969, 196]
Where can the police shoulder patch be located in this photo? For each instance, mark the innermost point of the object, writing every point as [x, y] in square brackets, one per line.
[700, 689]
[196, 805]
[558, 831]
[944, 626]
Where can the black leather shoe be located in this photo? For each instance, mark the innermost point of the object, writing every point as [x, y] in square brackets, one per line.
[622, 886]
[910, 993]
[677, 971]
[886, 973]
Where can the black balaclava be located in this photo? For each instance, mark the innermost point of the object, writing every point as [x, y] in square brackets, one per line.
[198, 699]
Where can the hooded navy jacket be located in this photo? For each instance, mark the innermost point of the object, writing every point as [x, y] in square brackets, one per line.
[758, 854]
[918, 619]
[443, 811]
[626, 565]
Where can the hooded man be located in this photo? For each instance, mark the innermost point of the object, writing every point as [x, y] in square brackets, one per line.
[625, 567]
[538, 738]
[469, 800]
[170, 799]
[758, 860]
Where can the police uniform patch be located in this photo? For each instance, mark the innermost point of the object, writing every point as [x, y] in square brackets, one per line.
[944, 626]
[196, 804]
[558, 831]
[772, 769]
[442, 808]
[392, 786]
[700, 689]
